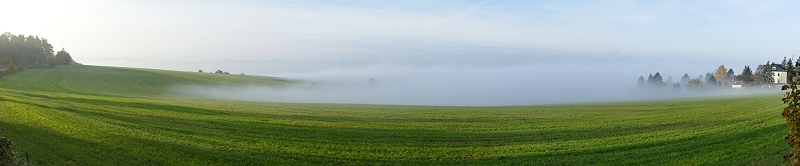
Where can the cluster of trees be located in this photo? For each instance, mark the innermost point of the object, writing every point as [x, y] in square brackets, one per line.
[656, 81]
[722, 77]
[217, 72]
[19, 52]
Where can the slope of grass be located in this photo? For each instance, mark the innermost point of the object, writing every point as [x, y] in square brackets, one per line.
[61, 120]
[96, 80]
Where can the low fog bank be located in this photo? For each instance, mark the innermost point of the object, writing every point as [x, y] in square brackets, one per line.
[455, 85]
[641, 94]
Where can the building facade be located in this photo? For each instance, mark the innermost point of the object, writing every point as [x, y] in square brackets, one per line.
[778, 73]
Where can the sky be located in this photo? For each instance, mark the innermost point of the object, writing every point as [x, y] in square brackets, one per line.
[300, 38]
[408, 30]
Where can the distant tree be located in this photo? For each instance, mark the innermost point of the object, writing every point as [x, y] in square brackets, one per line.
[710, 79]
[219, 72]
[669, 81]
[766, 75]
[63, 57]
[656, 81]
[641, 81]
[48, 49]
[200, 71]
[784, 63]
[757, 78]
[722, 74]
[685, 79]
[51, 61]
[730, 75]
[747, 76]
[695, 84]
[11, 67]
[225, 73]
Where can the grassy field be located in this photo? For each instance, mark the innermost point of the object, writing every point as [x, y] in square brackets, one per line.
[88, 115]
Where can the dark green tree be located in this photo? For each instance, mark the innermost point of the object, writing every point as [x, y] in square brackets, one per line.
[746, 77]
[656, 80]
[766, 75]
[730, 75]
[710, 79]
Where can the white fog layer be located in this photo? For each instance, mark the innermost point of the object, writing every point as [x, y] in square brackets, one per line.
[454, 85]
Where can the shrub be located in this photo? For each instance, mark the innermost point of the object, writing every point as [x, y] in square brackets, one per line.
[792, 114]
[7, 155]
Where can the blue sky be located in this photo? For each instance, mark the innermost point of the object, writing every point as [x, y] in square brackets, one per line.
[412, 30]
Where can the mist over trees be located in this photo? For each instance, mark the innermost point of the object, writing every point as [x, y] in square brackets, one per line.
[656, 82]
[722, 77]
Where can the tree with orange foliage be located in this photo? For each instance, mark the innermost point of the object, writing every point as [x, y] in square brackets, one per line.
[721, 75]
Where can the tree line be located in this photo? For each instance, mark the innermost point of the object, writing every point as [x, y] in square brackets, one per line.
[721, 78]
[19, 52]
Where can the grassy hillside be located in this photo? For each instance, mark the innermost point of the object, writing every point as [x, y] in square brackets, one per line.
[96, 80]
[85, 115]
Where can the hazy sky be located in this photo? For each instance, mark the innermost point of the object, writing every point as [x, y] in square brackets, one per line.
[415, 30]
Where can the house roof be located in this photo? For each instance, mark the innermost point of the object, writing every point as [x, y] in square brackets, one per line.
[776, 67]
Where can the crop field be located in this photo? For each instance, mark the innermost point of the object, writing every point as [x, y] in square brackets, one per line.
[90, 115]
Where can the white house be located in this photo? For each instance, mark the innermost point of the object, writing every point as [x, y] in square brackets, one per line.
[778, 73]
[737, 85]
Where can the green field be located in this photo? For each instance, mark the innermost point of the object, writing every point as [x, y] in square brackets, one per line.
[89, 115]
